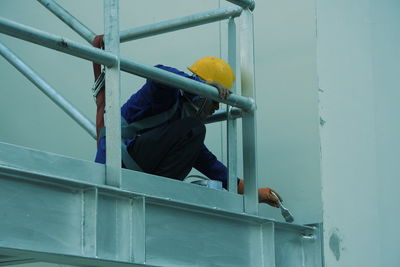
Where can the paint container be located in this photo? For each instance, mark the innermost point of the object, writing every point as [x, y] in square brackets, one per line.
[209, 183]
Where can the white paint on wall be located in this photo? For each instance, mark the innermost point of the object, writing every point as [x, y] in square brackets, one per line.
[287, 100]
[385, 26]
[357, 66]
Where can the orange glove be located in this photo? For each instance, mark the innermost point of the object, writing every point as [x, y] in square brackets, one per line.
[264, 195]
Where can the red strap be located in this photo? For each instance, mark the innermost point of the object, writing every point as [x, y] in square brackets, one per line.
[100, 99]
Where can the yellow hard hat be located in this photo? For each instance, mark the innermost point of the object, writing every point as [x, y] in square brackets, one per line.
[213, 69]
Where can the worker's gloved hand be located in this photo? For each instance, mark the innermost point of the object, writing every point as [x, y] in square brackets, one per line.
[222, 90]
[269, 196]
[265, 195]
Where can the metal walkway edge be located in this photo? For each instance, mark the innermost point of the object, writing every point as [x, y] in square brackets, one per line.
[59, 209]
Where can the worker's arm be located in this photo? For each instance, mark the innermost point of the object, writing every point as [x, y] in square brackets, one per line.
[208, 164]
[265, 195]
[153, 98]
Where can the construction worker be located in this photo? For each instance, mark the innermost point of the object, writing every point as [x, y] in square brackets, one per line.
[169, 130]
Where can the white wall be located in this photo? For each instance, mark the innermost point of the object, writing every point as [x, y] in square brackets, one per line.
[358, 60]
[386, 67]
[287, 99]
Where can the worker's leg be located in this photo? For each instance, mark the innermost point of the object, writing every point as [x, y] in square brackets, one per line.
[171, 150]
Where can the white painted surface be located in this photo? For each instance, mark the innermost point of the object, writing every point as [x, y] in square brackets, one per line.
[358, 67]
[287, 100]
[386, 66]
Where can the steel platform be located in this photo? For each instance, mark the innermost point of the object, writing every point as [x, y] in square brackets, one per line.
[59, 209]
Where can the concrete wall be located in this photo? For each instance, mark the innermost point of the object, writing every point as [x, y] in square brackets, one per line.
[358, 67]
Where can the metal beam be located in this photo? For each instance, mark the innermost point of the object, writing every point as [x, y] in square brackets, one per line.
[180, 23]
[64, 258]
[112, 116]
[185, 84]
[89, 216]
[97, 55]
[251, 4]
[247, 70]
[139, 229]
[67, 214]
[68, 19]
[231, 131]
[9, 260]
[222, 115]
[32, 165]
[40, 83]
[56, 42]
[147, 30]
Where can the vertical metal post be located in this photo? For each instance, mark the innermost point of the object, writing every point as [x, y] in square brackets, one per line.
[231, 122]
[267, 244]
[139, 229]
[123, 229]
[249, 118]
[112, 113]
[90, 201]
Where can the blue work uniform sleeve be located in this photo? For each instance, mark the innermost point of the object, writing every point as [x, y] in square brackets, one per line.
[153, 98]
[208, 164]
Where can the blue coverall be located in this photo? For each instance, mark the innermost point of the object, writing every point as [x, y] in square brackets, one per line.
[154, 98]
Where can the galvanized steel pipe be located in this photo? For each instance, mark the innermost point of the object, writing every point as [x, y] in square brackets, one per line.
[60, 101]
[185, 84]
[180, 23]
[222, 115]
[68, 19]
[112, 96]
[56, 42]
[97, 55]
[250, 4]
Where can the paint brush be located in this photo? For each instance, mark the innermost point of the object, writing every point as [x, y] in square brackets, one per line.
[284, 211]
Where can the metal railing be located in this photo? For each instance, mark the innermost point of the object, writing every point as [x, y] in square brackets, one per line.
[244, 105]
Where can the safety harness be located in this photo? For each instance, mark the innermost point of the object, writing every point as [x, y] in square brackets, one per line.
[190, 108]
[128, 130]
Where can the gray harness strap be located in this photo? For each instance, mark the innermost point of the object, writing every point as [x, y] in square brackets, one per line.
[128, 161]
[129, 131]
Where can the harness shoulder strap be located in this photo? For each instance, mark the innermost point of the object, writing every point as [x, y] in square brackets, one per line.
[100, 97]
[130, 130]
[129, 162]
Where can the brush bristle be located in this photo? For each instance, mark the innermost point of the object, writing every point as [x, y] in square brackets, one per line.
[286, 214]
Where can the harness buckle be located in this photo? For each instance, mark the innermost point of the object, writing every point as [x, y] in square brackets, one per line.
[98, 84]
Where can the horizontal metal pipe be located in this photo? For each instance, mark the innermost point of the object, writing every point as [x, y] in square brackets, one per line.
[221, 115]
[180, 23]
[105, 58]
[250, 4]
[68, 19]
[83, 121]
[185, 84]
[56, 42]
